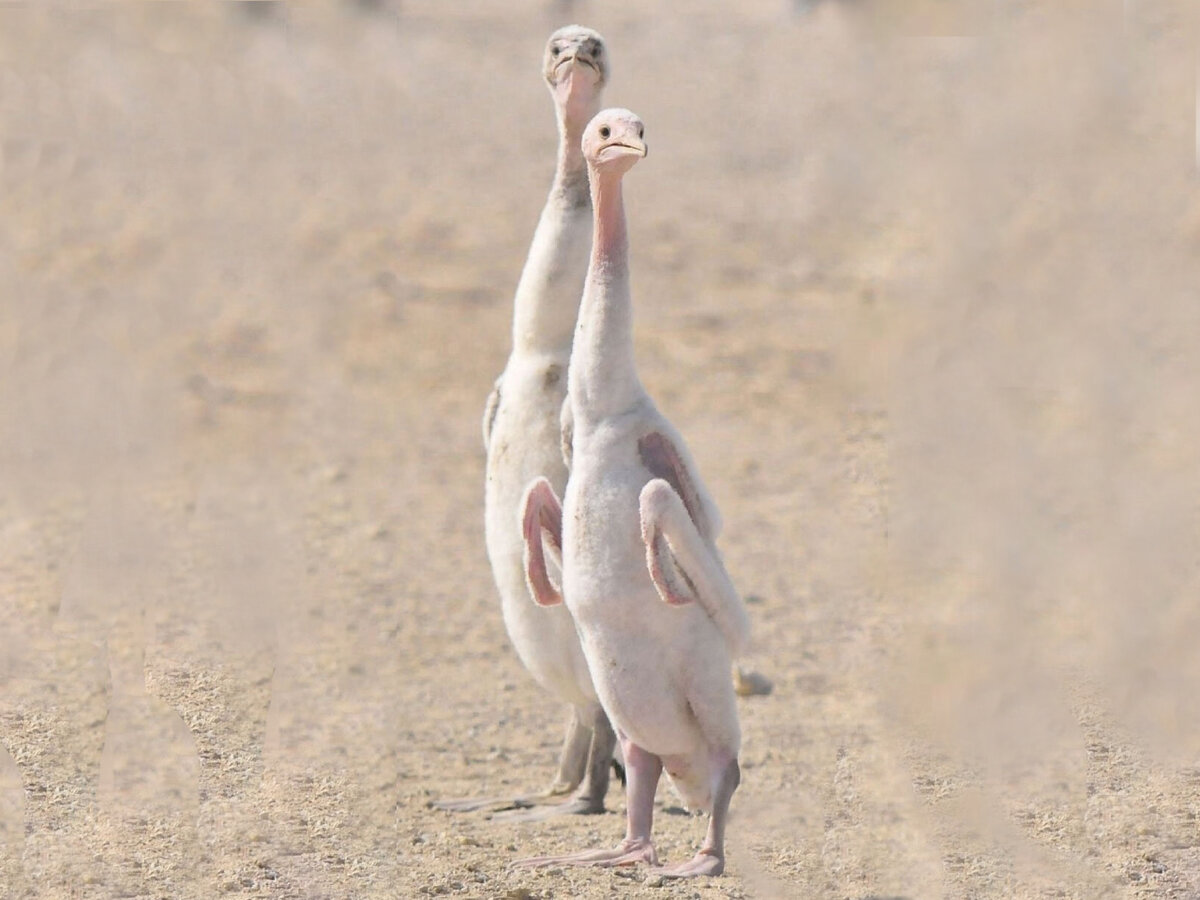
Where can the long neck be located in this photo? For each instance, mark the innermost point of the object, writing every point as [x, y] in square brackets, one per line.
[547, 298]
[572, 168]
[603, 377]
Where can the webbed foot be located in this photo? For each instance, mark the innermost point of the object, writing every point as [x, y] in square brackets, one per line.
[702, 864]
[499, 804]
[575, 806]
[627, 853]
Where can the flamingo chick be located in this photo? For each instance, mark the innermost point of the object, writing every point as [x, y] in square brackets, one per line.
[521, 434]
[659, 619]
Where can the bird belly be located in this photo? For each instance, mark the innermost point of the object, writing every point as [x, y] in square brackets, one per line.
[643, 654]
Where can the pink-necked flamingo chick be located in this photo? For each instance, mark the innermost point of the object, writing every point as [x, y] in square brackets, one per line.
[659, 619]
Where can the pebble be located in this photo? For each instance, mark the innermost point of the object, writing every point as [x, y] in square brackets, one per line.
[751, 684]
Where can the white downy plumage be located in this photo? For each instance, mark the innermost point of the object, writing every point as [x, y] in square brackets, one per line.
[521, 432]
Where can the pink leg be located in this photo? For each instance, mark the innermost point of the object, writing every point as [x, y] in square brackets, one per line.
[642, 770]
[711, 858]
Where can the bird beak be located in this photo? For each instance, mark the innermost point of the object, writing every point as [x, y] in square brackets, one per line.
[570, 71]
[573, 57]
[632, 146]
[563, 60]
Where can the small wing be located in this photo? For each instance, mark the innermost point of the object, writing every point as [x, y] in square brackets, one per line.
[684, 566]
[670, 461]
[673, 584]
[541, 523]
[566, 428]
[489, 413]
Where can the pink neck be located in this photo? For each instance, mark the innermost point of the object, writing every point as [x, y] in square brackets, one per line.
[603, 377]
[610, 240]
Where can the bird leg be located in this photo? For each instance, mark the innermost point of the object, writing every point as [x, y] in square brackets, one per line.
[642, 771]
[588, 798]
[572, 764]
[710, 860]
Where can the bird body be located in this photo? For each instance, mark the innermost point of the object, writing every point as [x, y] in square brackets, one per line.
[661, 671]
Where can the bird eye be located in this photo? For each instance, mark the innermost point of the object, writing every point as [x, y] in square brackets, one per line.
[605, 131]
[597, 49]
[641, 131]
[554, 51]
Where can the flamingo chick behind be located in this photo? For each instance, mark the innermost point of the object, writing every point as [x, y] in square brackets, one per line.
[521, 434]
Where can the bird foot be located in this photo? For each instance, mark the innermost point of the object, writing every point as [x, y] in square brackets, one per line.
[627, 853]
[700, 865]
[473, 804]
[575, 806]
[499, 804]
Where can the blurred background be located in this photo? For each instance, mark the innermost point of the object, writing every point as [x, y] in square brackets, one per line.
[919, 281]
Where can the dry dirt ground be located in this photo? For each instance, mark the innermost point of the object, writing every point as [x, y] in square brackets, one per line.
[919, 284]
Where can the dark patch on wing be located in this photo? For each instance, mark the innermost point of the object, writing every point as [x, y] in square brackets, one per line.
[553, 375]
[663, 460]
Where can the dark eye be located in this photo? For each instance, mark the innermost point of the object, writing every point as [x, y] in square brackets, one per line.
[605, 131]
[597, 50]
[554, 51]
[641, 131]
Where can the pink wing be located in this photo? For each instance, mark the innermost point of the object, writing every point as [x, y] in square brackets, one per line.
[541, 519]
[684, 565]
[660, 456]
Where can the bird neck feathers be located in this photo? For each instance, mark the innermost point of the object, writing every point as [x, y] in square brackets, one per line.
[547, 298]
[572, 167]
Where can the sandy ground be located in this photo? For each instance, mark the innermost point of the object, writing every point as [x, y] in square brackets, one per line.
[918, 284]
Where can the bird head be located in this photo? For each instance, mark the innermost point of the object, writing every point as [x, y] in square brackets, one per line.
[575, 66]
[614, 140]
